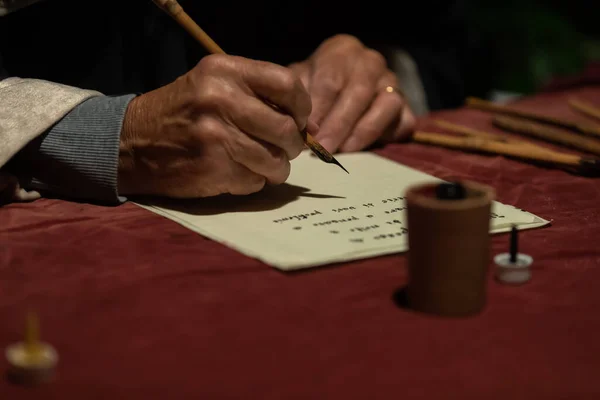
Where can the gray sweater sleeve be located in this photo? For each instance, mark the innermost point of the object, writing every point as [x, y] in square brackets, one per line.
[78, 157]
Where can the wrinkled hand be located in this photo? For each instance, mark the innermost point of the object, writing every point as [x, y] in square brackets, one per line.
[347, 82]
[211, 131]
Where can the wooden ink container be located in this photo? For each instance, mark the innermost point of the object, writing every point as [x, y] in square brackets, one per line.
[449, 247]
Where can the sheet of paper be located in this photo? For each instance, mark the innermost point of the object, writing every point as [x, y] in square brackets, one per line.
[321, 215]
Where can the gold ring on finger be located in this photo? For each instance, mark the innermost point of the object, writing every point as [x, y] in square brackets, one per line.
[392, 89]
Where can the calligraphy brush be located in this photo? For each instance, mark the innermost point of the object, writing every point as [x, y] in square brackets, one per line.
[517, 150]
[174, 9]
[485, 105]
[548, 133]
[585, 108]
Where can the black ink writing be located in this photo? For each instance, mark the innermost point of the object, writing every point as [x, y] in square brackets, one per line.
[335, 221]
[370, 216]
[297, 228]
[357, 240]
[364, 228]
[494, 215]
[384, 201]
[393, 222]
[342, 209]
[368, 205]
[401, 232]
[395, 210]
[297, 217]
[334, 232]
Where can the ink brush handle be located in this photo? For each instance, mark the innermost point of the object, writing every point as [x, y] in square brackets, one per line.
[174, 9]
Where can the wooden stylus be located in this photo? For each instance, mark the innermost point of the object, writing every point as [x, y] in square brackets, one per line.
[175, 10]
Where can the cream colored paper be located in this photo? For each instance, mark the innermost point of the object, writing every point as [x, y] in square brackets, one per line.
[321, 215]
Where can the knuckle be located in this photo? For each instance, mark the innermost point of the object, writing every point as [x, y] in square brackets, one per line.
[375, 59]
[211, 130]
[363, 93]
[215, 63]
[212, 96]
[288, 80]
[347, 40]
[330, 82]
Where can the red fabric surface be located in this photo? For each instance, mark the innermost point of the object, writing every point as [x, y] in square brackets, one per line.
[139, 307]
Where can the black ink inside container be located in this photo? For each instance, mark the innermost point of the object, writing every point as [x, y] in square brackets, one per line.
[450, 191]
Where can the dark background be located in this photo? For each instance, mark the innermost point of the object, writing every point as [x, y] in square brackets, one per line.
[462, 47]
[522, 45]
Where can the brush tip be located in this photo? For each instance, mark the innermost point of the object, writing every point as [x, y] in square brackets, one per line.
[339, 165]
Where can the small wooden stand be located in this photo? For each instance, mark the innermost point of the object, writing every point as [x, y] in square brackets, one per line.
[449, 247]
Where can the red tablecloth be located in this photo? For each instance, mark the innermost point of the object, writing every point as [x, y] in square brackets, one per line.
[139, 307]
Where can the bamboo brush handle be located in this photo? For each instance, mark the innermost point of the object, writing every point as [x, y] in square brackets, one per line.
[464, 130]
[583, 143]
[175, 10]
[494, 147]
[585, 108]
[501, 109]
